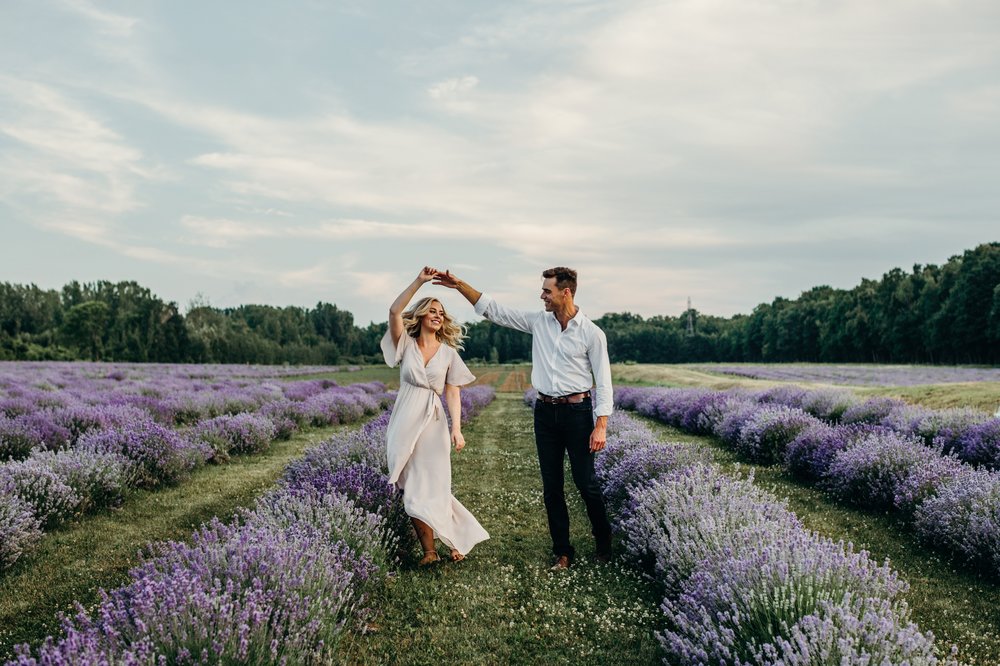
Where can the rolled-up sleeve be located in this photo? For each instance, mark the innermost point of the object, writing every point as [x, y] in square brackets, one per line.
[601, 365]
[519, 320]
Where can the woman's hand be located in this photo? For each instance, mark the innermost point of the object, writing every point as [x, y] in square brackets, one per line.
[457, 439]
[427, 274]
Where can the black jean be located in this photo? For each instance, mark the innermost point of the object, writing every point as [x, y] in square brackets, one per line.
[560, 429]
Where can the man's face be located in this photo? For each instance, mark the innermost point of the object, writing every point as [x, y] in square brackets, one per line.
[552, 295]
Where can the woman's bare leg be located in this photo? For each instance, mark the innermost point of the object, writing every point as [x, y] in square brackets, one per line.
[426, 536]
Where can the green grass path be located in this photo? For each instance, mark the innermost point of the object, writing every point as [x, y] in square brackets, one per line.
[73, 562]
[502, 605]
[959, 607]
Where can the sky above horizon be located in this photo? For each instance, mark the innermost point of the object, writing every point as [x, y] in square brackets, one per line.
[289, 153]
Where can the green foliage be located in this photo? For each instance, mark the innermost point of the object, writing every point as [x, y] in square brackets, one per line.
[934, 314]
[948, 314]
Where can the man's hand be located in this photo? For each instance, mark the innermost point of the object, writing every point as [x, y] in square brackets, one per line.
[446, 279]
[598, 438]
[457, 440]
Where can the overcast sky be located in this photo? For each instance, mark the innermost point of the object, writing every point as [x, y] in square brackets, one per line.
[291, 152]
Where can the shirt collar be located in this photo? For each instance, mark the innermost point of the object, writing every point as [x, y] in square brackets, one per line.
[577, 318]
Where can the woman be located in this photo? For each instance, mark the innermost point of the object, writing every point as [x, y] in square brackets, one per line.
[424, 341]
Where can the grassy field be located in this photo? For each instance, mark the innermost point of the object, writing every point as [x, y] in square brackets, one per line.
[502, 605]
[73, 562]
[979, 395]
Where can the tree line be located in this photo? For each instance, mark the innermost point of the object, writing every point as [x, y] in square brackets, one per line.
[948, 314]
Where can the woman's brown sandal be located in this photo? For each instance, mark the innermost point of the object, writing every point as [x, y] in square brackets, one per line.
[456, 556]
[429, 558]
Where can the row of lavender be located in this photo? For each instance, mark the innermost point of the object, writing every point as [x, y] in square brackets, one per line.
[971, 435]
[743, 581]
[87, 441]
[860, 461]
[279, 585]
[857, 374]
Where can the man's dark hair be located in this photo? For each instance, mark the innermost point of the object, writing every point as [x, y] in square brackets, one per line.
[565, 278]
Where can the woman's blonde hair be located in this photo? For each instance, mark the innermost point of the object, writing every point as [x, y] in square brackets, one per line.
[450, 333]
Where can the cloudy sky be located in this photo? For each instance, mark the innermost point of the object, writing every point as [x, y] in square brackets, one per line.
[290, 152]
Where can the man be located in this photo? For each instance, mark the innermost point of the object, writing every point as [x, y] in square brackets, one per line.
[568, 352]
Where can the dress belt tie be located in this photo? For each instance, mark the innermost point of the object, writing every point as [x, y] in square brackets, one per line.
[433, 405]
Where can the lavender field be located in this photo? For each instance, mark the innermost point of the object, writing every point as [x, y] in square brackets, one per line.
[79, 437]
[855, 374]
[936, 468]
[279, 584]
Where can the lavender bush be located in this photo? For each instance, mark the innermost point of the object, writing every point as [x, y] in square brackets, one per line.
[235, 595]
[873, 411]
[697, 514]
[232, 434]
[735, 606]
[51, 500]
[980, 444]
[767, 433]
[163, 455]
[871, 472]
[828, 405]
[22, 433]
[99, 479]
[335, 517]
[856, 633]
[964, 518]
[20, 530]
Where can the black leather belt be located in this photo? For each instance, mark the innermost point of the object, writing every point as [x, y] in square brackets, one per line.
[572, 398]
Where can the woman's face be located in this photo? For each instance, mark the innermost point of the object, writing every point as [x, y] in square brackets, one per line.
[434, 319]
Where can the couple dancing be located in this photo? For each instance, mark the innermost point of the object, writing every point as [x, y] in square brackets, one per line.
[568, 354]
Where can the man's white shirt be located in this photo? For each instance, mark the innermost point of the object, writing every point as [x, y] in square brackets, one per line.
[563, 362]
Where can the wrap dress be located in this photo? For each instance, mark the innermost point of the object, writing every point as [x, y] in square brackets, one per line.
[418, 444]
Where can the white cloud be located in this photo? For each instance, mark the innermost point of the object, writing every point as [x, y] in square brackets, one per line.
[109, 22]
[452, 87]
[64, 153]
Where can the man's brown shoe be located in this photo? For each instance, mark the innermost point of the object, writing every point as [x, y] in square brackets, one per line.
[562, 562]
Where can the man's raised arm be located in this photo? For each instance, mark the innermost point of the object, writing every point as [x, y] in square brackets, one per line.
[486, 306]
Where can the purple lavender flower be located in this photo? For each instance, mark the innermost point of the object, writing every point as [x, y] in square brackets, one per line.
[734, 416]
[82, 419]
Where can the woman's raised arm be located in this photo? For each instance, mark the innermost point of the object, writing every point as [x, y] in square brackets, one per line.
[399, 305]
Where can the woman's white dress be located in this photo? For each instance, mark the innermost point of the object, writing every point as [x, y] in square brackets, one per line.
[418, 444]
